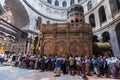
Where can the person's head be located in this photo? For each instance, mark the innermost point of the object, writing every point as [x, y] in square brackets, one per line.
[67, 57]
[93, 56]
[76, 56]
[104, 57]
[86, 57]
[82, 60]
[56, 56]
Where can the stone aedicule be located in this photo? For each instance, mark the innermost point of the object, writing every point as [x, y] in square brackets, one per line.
[71, 38]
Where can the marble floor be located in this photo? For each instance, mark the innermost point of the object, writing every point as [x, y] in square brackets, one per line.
[13, 73]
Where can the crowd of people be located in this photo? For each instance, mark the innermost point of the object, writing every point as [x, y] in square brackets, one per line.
[80, 65]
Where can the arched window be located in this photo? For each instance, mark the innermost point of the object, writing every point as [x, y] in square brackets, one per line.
[118, 33]
[56, 3]
[76, 9]
[82, 9]
[72, 9]
[115, 6]
[0, 12]
[38, 23]
[72, 2]
[118, 4]
[36, 40]
[72, 21]
[49, 1]
[64, 4]
[89, 5]
[79, 0]
[76, 20]
[102, 14]
[105, 37]
[92, 20]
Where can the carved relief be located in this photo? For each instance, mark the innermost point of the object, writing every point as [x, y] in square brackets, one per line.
[61, 48]
[74, 48]
[48, 48]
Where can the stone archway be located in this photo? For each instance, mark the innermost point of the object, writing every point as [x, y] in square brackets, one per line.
[118, 33]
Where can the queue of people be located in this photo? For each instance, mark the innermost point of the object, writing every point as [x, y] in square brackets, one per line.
[3, 58]
[80, 65]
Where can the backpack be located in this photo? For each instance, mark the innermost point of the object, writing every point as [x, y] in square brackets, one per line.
[95, 62]
[13, 58]
[42, 59]
[82, 64]
[67, 63]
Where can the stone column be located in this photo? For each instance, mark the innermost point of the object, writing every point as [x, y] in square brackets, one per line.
[90, 48]
[55, 44]
[28, 45]
[42, 45]
[82, 44]
[97, 20]
[114, 42]
[67, 41]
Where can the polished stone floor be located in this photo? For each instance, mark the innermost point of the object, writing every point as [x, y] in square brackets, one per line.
[12, 73]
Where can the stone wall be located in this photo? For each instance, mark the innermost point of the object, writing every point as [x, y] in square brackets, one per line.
[66, 39]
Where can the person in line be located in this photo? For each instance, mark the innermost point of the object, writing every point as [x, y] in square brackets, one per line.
[58, 67]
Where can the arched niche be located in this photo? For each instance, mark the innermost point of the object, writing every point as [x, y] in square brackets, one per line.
[102, 14]
[56, 3]
[92, 20]
[89, 5]
[117, 29]
[64, 4]
[105, 37]
[72, 2]
[49, 1]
